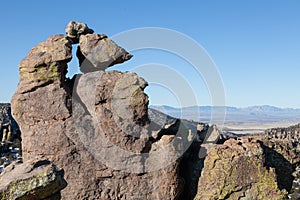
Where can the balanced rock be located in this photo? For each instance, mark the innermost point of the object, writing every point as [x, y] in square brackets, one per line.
[94, 126]
[35, 179]
[97, 52]
[75, 29]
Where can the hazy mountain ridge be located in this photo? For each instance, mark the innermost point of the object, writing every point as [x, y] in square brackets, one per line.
[256, 115]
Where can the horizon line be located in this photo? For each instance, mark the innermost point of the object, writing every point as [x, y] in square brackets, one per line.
[255, 105]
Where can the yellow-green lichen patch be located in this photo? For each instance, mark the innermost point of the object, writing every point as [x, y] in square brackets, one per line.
[236, 170]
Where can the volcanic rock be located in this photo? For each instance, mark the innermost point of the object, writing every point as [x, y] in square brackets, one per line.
[95, 126]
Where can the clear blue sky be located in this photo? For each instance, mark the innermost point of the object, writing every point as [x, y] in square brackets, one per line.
[255, 44]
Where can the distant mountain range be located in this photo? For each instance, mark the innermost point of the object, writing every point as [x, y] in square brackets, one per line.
[253, 115]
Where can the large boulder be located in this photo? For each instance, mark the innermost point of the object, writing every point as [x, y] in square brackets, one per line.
[35, 179]
[97, 52]
[237, 170]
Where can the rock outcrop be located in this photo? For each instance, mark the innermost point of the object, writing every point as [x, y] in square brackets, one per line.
[94, 126]
[35, 179]
[291, 134]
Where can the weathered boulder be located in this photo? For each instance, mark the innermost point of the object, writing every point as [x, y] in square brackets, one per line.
[97, 52]
[45, 64]
[75, 29]
[237, 170]
[35, 179]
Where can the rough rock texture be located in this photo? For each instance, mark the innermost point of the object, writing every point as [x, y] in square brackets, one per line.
[237, 170]
[35, 179]
[45, 64]
[284, 158]
[97, 52]
[100, 137]
[75, 29]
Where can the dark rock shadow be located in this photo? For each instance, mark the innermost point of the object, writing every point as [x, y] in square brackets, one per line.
[283, 168]
[190, 169]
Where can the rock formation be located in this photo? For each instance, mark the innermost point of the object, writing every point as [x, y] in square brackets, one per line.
[291, 133]
[95, 126]
[98, 129]
[35, 179]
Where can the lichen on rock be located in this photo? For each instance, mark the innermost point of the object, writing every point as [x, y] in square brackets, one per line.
[237, 170]
[35, 179]
[45, 64]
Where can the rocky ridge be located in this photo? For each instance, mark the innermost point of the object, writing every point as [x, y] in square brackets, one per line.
[291, 133]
